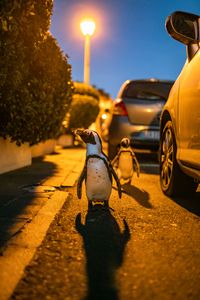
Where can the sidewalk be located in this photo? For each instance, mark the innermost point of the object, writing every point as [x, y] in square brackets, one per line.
[30, 198]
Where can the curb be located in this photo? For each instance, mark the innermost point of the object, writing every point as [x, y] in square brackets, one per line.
[22, 247]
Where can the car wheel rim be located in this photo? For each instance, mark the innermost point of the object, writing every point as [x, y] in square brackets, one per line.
[166, 158]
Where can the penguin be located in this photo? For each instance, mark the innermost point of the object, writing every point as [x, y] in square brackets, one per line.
[97, 171]
[126, 162]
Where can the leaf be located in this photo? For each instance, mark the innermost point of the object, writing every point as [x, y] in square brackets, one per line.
[4, 25]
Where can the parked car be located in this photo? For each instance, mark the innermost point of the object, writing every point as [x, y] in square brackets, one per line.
[136, 114]
[180, 118]
[104, 122]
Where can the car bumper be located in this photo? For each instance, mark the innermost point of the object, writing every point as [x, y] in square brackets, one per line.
[141, 136]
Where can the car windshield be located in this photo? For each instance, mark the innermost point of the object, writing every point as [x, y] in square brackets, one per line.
[147, 90]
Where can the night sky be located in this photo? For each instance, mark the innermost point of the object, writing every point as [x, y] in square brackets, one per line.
[130, 41]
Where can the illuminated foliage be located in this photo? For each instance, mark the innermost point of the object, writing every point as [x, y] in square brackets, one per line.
[84, 107]
[35, 77]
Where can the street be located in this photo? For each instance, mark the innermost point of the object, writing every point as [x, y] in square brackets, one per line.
[145, 247]
[90, 93]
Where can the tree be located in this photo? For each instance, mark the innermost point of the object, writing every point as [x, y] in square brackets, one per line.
[35, 77]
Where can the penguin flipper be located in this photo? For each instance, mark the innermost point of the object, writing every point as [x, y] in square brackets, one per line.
[117, 181]
[78, 225]
[115, 160]
[80, 181]
[136, 164]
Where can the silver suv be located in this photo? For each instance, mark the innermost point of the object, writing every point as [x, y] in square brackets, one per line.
[136, 114]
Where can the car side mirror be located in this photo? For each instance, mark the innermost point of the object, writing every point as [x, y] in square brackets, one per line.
[185, 28]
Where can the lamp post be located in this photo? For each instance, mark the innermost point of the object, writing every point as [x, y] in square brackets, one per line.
[87, 28]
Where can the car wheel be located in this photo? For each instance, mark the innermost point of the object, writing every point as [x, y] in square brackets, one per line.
[112, 151]
[173, 181]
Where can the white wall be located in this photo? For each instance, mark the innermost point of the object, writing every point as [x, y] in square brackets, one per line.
[13, 157]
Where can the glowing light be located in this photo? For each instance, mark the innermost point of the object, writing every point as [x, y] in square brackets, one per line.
[104, 116]
[87, 27]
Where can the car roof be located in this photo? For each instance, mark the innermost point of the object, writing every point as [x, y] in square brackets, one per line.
[127, 82]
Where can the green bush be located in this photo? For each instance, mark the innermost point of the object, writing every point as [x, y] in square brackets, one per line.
[35, 77]
[81, 88]
[84, 107]
[83, 111]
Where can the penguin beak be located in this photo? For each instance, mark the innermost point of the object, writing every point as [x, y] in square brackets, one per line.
[82, 133]
[78, 131]
[86, 136]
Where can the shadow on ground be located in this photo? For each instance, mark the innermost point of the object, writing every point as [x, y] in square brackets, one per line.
[18, 198]
[141, 196]
[104, 245]
[191, 203]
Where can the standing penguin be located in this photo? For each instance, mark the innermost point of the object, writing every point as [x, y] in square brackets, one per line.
[97, 171]
[126, 162]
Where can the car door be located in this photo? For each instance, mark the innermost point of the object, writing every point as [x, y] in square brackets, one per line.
[189, 113]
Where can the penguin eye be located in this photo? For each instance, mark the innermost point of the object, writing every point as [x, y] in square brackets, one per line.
[88, 133]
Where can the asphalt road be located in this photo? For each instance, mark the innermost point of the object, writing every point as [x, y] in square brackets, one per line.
[146, 247]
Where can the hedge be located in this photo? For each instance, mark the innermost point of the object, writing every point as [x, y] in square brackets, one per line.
[81, 88]
[84, 107]
[35, 77]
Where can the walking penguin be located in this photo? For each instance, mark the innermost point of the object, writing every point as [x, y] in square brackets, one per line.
[126, 162]
[97, 171]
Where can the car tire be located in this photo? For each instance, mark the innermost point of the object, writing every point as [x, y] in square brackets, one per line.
[172, 180]
[112, 151]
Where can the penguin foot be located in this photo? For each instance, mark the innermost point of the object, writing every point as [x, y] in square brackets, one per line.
[94, 206]
[99, 206]
[126, 181]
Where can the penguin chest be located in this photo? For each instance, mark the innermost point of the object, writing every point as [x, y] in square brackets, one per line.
[98, 183]
[125, 165]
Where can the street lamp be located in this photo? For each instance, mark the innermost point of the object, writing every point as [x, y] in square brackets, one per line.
[87, 28]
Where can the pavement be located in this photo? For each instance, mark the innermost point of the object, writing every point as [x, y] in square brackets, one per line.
[30, 198]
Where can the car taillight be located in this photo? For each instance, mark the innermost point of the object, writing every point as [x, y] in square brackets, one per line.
[119, 108]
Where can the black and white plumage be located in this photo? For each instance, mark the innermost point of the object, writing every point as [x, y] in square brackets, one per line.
[97, 171]
[125, 162]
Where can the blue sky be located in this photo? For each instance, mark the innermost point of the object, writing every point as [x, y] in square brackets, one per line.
[130, 41]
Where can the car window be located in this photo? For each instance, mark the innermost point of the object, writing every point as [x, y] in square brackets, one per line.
[147, 90]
